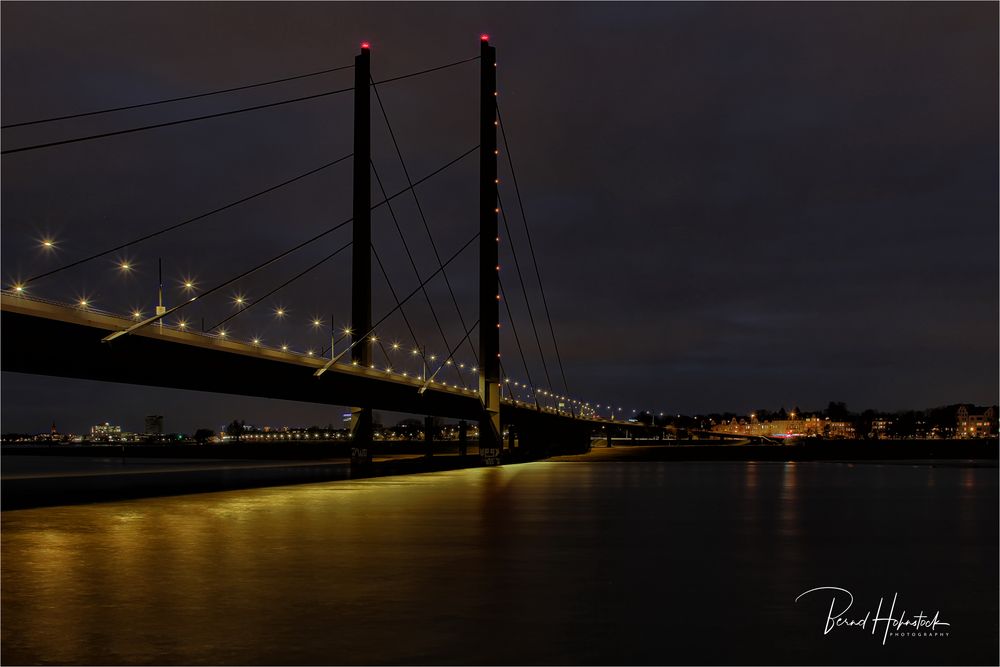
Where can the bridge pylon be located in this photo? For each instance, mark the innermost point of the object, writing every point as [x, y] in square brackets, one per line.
[490, 437]
[361, 254]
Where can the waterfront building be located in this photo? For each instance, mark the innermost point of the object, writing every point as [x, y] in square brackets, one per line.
[971, 423]
[821, 427]
[105, 431]
[882, 428]
[815, 427]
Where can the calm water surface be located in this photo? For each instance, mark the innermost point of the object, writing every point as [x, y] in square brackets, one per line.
[547, 562]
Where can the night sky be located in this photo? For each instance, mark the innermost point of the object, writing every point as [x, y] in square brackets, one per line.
[734, 206]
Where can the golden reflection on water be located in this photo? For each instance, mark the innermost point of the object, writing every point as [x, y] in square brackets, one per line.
[968, 478]
[790, 532]
[400, 570]
[750, 480]
[220, 565]
[790, 494]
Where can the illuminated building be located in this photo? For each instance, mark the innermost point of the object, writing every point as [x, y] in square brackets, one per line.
[881, 428]
[105, 431]
[824, 428]
[787, 428]
[973, 425]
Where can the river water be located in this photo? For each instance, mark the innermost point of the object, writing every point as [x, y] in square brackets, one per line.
[549, 562]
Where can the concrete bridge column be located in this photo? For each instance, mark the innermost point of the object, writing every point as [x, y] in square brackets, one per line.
[429, 436]
[490, 438]
[463, 438]
[361, 262]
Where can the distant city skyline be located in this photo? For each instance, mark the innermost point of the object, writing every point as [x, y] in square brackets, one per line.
[181, 414]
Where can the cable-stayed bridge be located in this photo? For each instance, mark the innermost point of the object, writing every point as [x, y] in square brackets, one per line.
[359, 364]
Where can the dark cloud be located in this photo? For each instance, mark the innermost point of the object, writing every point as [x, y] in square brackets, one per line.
[735, 205]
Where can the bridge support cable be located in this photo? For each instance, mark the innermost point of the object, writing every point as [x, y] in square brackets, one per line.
[402, 311]
[524, 291]
[423, 218]
[425, 71]
[503, 373]
[531, 247]
[385, 355]
[517, 339]
[171, 123]
[212, 290]
[449, 358]
[280, 255]
[510, 392]
[413, 265]
[401, 303]
[281, 286]
[220, 114]
[188, 221]
[175, 99]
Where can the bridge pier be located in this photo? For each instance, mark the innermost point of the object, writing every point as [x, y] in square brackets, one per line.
[361, 255]
[428, 436]
[538, 434]
[361, 440]
[463, 438]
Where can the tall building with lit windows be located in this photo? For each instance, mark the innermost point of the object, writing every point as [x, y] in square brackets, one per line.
[974, 424]
[105, 431]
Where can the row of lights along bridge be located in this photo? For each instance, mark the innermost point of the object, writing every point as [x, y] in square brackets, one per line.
[520, 392]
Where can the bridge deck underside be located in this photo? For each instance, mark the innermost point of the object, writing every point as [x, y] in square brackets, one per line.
[44, 345]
